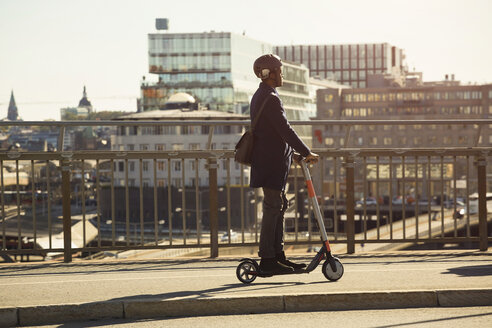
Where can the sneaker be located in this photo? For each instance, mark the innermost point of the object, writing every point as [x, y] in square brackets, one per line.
[283, 260]
[272, 266]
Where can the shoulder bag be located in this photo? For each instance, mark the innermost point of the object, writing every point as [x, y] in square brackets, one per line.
[243, 152]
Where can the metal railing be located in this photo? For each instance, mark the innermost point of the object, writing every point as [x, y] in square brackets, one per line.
[38, 216]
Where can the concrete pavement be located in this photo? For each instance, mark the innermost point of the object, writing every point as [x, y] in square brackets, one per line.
[54, 292]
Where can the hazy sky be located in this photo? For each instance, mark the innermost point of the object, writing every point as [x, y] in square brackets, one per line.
[50, 49]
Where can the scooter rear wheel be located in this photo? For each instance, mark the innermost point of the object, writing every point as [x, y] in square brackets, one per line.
[243, 272]
[328, 271]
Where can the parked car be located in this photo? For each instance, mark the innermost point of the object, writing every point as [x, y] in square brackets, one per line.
[370, 201]
[225, 236]
[398, 200]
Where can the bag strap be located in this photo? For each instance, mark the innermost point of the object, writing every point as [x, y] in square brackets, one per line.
[253, 124]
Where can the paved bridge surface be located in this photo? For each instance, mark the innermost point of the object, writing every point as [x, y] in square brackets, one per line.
[56, 292]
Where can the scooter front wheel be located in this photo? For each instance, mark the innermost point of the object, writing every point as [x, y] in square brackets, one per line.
[328, 270]
[244, 272]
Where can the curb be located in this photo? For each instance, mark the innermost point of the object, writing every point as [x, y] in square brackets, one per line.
[135, 309]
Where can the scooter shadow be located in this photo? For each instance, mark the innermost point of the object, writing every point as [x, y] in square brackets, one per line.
[213, 292]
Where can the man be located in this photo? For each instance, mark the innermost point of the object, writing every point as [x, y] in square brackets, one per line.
[274, 145]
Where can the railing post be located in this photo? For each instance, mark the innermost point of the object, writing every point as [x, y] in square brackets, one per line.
[350, 203]
[213, 207]
[482, 202]
[67, 216]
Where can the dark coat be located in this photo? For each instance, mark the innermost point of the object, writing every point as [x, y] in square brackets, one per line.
[274, 141]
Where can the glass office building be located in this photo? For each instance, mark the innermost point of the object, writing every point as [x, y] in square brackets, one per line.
[214, 67]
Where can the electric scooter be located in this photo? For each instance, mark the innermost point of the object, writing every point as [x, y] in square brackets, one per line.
[248, 269]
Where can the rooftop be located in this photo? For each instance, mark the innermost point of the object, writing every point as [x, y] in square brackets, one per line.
[183, 114]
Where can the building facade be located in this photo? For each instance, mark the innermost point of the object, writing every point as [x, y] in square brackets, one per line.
[438, 100]
[175, 138]
[430, 101]
[349, 64]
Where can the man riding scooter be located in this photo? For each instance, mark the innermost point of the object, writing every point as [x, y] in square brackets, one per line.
[275, 142]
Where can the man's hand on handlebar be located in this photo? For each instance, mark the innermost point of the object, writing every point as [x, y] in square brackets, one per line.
[312, 158]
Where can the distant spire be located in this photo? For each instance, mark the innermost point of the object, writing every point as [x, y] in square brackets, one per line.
[84, 102]
[13, 114]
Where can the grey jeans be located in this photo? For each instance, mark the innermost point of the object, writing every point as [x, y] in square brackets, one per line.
[272, 226]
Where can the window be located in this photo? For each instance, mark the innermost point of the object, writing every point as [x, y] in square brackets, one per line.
[194, 146]
[328, 98]
[147, 130]
[130, 147]
[387, 141]
[145, 166]
[121, 166]
[462, 140]
[161, 165]
[417, 141]
[144, 147]
[131, 165]
[373, 141]
[161, 182]
[329, 141]
[177, 182]
[160, 147]
[177, 165]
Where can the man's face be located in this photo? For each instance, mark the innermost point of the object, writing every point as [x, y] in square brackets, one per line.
[279, 77]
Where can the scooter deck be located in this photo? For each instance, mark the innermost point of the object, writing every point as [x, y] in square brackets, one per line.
[269, 274]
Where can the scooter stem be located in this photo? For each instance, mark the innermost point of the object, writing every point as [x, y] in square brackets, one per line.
[314, 203]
